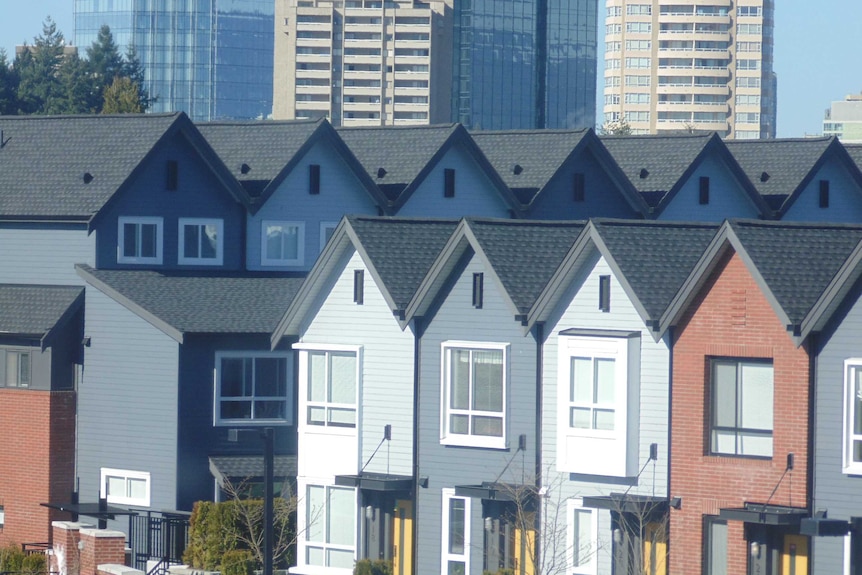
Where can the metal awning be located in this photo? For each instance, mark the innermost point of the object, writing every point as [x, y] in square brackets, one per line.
[490, 491]
[90, 509]
[628, 503]
[376, 482]
[239, 467]
[765, 514]
[824, 527]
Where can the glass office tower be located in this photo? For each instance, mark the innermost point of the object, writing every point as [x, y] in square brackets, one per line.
[209, 58]
[522, 64]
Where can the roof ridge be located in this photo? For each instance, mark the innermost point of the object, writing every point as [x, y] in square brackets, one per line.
[398, 127]
[529, 131]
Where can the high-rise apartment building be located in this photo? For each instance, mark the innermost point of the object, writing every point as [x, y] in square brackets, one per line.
[683, 65]
[844, 120]
[489, 64]
[209, 58]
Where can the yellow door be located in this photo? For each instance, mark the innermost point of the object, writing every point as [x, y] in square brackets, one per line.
[655, 549]
[525, 545]
[794, 555]
[402, 533]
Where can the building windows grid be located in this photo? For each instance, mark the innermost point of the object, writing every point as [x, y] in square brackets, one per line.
[330, 520]
[252, 388]
[125, 487]
[331, 381]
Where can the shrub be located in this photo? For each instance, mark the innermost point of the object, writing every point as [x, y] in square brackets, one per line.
[11, 558]
[211, 535]
[369, 567]
[34, 564]
[237, 562]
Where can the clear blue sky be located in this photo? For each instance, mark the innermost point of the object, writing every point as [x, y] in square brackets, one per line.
[818, 46]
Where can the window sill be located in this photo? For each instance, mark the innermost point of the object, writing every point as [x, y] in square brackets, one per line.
[475, 442]
[199, 262]
[852, 470]
[140, 261]
[281, 263]
[252, 423]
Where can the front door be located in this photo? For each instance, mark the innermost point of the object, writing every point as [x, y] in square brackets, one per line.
[794, 555]
[655, 548]
[402, 534]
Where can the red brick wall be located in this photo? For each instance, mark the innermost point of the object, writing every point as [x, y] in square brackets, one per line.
[36, 460]
[100, 548]
[732, 318]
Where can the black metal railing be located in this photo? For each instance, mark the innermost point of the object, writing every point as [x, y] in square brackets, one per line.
[159, 536]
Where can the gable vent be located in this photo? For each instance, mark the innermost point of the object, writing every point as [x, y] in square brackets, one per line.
[517, 169]
[381, 172]
[764, 177]
[244, 169]
[644, 173]
[87, 177]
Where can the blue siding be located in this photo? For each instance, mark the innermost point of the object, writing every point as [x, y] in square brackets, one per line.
[727, 197]
[475, 195]
[44, 253]
[845, 197]
[602, 197]
[448, 466]
[127, 401]
[199, 195]
[341, 193]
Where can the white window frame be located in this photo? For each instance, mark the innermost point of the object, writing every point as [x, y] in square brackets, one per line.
[445, 556]
[468, 440]
[319, 525]
[19, 353]
[574, 505]
[300, 244]
[139, 221]
[324, 227]
[849, 466]
[304, 403]
[183, 259]
[126, 474]
[217, 397]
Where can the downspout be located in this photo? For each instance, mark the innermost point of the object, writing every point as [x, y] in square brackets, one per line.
[537, 520]
[417, 339]
[670, 347]
[813, 355]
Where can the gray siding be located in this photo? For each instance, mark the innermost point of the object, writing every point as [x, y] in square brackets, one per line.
[44, 254]
[40, 363]
[845, 197]
[834, 491]
[579, 309]
[127, 403]
[448, 466]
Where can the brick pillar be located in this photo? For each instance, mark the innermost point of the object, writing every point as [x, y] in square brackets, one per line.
[65, 557]
[101, 547]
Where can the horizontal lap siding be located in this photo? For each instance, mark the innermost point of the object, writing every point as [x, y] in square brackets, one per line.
[44, 255]
[845, 197]
[447, 466]
[579, 309]
[727, 197]
[127, 401]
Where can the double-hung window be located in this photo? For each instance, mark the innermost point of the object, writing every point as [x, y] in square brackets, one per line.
[853, 416]
[456, 534]
[331, 387]
[201, 242]
[330, 522]
[125, 487]
[17, 372]
[251, 387]
[474, 394]
[139, 240]
[742, 400]
[282, 243]
[581, 539]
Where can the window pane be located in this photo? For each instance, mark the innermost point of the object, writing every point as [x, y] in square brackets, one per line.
[340, 417]
[316, 416]
[191, 241]
[456, 568]
[604, 381]
[717, 548]
[582, 544]
[314, 513]
[11, 368]
[488, 380]
[316, 376]
[342, 378]
[232, 374]
[856, 400]
[489, 426]
[582, 380]
[209, 242]
[235, 410]
[273, 243]
[23, 369]
[137, 488]
[758, 445]
[459, 424]
[724, 441]
[724, 394]
[116, 486]
[269, 373]
[341, 516]
[757, 396]
[604, 419]
[456, 526]
[580, 418]
[270, 410]
[130, 240]
[149, 240]
[314, 556]
[459, 396]
[340, 558]
[290, 242]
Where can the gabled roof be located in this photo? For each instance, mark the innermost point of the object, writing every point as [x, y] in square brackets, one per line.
[803, 269]
[520, 255]
[36, 311]
[650, 259]
[212, 303]
[781, 169]
[658, 166]
[398, 252]
[70, 167]
[855, 153]
[399, 158]
[527, 160]
[261, 154]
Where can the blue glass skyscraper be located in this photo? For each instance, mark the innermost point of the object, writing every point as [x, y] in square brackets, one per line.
[212, 59]
[522, 64]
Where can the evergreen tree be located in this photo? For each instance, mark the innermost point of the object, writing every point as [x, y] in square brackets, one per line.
[8, 86]
[122, 97]
[104, 65]
[37, 68]
[133, 70]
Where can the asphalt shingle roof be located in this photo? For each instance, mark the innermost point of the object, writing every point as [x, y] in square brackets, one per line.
[797, 261]
[402, 250]
[43, 160]
[525, 254]
[204, 303]
[239, 467]
[785, 162]
[402, 151]
[265, 147]
[538, 153]
[855, 151]
[665, 159]
[34, 309]
[655, 257]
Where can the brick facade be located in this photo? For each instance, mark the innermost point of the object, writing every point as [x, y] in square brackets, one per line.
[732, 318]
[37, 450]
